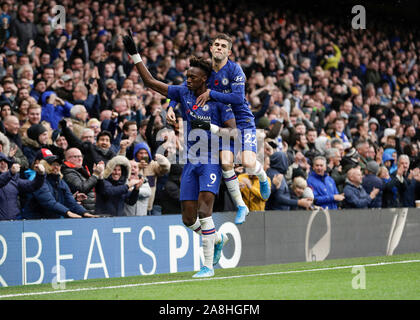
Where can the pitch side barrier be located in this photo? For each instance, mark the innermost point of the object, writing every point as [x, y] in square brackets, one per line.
[64, 250]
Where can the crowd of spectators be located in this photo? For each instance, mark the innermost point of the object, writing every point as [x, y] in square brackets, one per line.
[338, 109]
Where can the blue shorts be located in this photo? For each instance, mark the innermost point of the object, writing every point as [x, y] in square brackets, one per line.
[247, 141]
[199, 177]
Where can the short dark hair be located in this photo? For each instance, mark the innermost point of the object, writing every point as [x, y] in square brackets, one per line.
[201, 63]
[104, 133]
[223, 36]
[127, 124]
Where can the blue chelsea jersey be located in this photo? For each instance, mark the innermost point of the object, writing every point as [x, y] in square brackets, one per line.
[213, 112]
[228, 87]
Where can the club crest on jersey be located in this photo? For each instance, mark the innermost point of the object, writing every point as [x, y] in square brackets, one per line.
[225, 81]
[206, 107]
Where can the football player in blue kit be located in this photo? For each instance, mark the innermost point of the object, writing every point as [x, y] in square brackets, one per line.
[201, 175]
[227, 85]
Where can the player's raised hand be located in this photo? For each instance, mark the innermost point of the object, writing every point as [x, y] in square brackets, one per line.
[129, 44]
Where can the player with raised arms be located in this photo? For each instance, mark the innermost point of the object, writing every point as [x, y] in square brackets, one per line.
[200, 181]
[227, 85]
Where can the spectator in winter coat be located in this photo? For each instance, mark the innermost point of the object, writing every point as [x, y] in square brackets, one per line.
[140, 207]
[93, 153]
[371, 181]
[115, 189]
[38, 137]
[79, 178]
[280, 195]
[54, 108]
[11, 186]
[355, 195]
[298, 190]
[150, 168]
[250, 190]
[11, 125]
[54, 199]
[323, 186]
[389, 159]
[171, 191]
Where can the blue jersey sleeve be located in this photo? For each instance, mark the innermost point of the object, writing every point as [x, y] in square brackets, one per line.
[175, 93]
[173, 103]
[226, 113]
[237, 84]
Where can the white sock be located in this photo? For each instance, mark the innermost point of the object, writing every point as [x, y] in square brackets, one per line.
[232, 183]
[258, 171]
[208, 238]
[196, 227]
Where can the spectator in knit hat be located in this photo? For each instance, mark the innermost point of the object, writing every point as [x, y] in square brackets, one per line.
[54, 199]
[37, 138]
[151, 169]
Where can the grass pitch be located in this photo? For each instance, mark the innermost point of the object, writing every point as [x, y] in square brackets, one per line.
[373, 278]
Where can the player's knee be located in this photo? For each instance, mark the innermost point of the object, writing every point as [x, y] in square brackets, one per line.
[203, 213]
[227, 166]
[248, 163]
[188, 221]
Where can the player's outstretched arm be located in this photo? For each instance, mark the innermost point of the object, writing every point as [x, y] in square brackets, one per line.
[145, 75]
[228, 130]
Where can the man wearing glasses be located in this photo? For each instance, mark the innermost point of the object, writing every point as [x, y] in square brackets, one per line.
[79, 179]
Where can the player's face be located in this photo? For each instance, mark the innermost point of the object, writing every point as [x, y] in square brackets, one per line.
[195, 78]
[220, 49]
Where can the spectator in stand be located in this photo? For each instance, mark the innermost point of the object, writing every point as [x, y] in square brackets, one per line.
[280, 198]
[332, 56]
[116, 189]
[140, 207]
[12, 186]
[371, 181]
[354, 193]
[323, 186]
[151, 169]
[300, 190]
[54, 108]
[396, 190]
[250, 190]
[88, 98]
[33, 117]
[362, 148]
[169, 198]
[79, 117]
[54, 199]
[316, 71]
[11, 126]
[334, 169]
[79, 179]
[93, 153]
[22, 28]
[37, 138]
